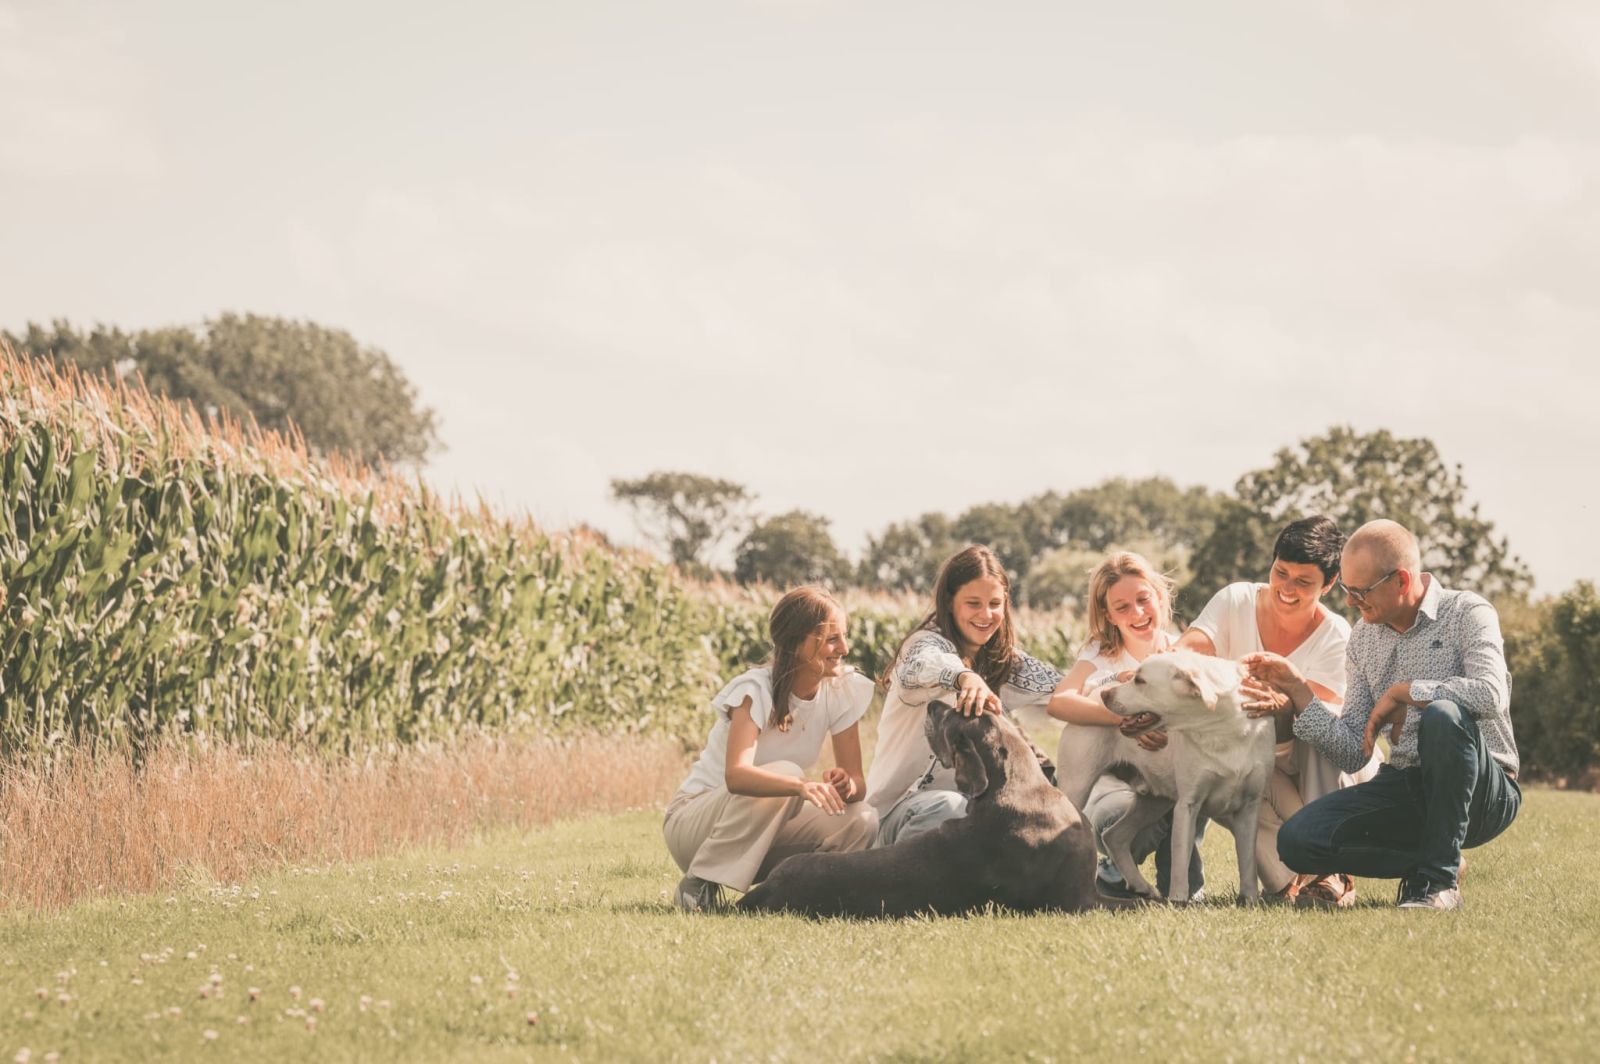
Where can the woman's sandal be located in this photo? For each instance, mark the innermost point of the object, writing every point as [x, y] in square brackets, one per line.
[1337, 890]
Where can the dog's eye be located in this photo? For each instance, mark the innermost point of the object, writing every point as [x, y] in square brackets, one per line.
[1138, 679]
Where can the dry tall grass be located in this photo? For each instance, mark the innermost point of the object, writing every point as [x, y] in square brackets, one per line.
[86, 824]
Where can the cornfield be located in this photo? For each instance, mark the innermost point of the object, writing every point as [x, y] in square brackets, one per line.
[170, 576]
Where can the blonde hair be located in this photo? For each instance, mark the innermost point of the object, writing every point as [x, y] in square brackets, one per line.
[798, 616]
[1105, 576]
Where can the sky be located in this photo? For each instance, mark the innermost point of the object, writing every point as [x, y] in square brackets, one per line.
[869, 259]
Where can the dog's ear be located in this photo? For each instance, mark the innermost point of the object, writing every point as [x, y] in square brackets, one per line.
[1200, 683]
[1212, 682]
[972, 778]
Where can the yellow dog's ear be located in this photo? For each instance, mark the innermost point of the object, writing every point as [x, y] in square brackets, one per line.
[972, 779]
[1214, 680]
[1201, 685]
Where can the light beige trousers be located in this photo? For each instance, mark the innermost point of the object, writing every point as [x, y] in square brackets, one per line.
[1298, 779]
[737, 840]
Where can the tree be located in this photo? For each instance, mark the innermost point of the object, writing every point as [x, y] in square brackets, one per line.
[1553, 650]
[685, 514]
[341, 395]
[790, 549]
[1354, 478]
[1003, 529]
[1119, 510]
[908, 554]
[1059, 577]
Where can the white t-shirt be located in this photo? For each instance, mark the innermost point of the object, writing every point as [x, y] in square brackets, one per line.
[926, 669]
[1230, 620]
[839, 702]
[1107, 668]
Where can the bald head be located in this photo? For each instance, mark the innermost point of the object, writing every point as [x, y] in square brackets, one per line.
[1383, 546]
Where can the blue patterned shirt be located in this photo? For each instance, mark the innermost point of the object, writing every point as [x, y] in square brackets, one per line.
[1454, 653]
[926, 669]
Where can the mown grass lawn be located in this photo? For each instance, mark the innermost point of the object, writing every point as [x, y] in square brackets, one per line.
[444, 955]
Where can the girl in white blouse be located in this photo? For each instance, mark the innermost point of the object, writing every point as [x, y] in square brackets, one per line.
[747, 803]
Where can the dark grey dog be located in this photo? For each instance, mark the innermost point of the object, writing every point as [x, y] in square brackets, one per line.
[1022, 844]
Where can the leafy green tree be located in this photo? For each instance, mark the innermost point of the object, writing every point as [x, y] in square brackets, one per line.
[1119, 510]
[1005, 530]
[907, 556]
[685, 514]
[790, 549]
[1553, 650]
[342, 396]
[1059, 577]
[1353, 478]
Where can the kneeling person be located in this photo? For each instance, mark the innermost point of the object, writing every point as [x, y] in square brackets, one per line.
[1429, 665]
[747, 803]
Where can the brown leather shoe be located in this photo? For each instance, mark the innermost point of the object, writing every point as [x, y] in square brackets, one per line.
[1336, 890]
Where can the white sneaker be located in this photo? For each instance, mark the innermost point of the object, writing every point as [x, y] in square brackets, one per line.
[696, 895]
[1422, 896]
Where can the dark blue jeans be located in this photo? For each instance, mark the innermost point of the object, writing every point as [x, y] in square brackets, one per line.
[1410, 822]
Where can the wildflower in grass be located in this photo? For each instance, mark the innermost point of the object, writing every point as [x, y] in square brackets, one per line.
[255, 993]
[311, 1024]
[294, 992]
[23, 1055]
[174, 1011]
[316, 1004]
[43, 992]
[533, 1019]
[216, 978]
[365, 1002]
[63, 998]
[209, 1035]
[205, 990]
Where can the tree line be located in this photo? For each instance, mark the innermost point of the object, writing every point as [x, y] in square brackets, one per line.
[1203, 538]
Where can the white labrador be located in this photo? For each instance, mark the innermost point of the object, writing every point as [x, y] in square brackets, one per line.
[1217, 762]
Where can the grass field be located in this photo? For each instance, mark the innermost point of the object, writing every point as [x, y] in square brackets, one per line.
[559, 944]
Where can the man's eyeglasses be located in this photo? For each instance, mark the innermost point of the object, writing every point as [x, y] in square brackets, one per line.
[1359, 594]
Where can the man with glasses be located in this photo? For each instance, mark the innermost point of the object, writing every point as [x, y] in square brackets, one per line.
[1429, 665]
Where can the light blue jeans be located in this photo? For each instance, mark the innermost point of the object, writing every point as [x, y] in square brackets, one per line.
[917, 812]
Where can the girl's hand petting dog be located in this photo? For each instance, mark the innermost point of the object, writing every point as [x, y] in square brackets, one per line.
[973, 695]
[1137, 728]
[840, 781]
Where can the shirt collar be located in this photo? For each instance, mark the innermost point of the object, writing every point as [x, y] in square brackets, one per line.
[1430, 598]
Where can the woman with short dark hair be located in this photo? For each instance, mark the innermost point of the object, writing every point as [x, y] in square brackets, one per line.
[1286, 616]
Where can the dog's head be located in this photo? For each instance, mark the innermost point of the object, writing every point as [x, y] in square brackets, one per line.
[1181, 688]
[975, 746]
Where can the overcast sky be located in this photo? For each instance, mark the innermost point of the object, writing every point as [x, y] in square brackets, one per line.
[868, 258]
